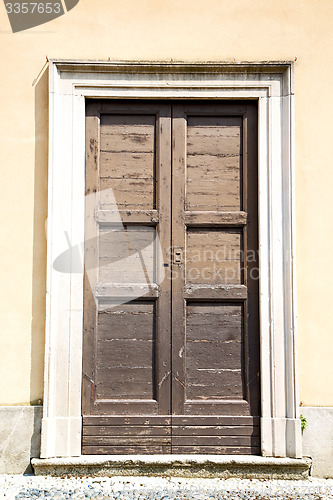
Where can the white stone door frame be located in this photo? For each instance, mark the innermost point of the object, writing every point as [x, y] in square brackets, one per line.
[272, 85]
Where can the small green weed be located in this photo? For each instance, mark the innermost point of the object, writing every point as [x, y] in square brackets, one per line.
[304, 422]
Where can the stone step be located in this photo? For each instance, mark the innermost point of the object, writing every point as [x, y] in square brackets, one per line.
[203, 466]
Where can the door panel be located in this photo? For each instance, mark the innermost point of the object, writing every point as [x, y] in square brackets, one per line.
[214, 256]
[127, 161]
[214, 346]
[213, 163]
[175, 369]
[126, 366]
[215, 200]
[128, 331]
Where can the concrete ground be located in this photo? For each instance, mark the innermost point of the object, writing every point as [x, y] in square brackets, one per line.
[169, 488]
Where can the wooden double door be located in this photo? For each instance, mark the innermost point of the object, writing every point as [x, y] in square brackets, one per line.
[171, 328]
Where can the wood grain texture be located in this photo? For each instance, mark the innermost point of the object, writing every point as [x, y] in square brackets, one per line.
[215, 218]
[178, 268]
[127, 449]
[217, 430]
[122, 252]
[128, 217]
[177, 370]
[214, 256]
[127, 159]
[127, 420]
[215, 292]
[126, 441]
[91, 259]
[129, 430]
[125, 354]
[214, 351]
[215, 163]
[213, 169]
[217, 450]
[216, 441]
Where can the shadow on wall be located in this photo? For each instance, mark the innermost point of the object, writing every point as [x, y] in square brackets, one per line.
[39, 238]
[35, 437]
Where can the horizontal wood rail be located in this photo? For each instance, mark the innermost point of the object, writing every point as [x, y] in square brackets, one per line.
[215, 218]
[115, 217]
[216, 292]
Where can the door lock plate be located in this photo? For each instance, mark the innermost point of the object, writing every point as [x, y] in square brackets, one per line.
[177, 256]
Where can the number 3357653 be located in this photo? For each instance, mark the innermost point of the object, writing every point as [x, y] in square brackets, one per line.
[33, 8]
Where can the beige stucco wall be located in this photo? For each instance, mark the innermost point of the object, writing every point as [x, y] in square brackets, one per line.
[179, 30]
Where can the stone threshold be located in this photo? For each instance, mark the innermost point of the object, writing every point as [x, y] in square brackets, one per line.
[200, 466]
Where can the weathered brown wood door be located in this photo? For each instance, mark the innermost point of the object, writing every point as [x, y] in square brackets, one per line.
[171, 328]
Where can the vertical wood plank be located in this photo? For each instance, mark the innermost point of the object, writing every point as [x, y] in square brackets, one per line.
[163, 201]
[252, 266]
[91, 257]
[178, 269]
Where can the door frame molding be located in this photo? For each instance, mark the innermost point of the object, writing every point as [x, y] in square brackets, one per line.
[271, 83]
